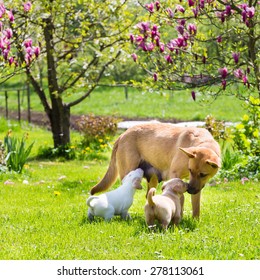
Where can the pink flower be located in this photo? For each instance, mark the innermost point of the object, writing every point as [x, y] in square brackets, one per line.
[10, 16]
[180, 8]
[192, 28]
[28, 43]
[224, 84]
[36, 51]
[236, 57]
[155, 77]
[191, 3]
[228, 10]
[150, 7]
[250, 11]
[134, 56]
[168, 59]
[143, 26]
[219, 39]
[223, 72]
[8, 33]
[162, 47]
[11, 60]
[157, 5]
[2, 10]
[238, 73]
[27, 6]
[170, 12]
[131, 38]
[245, 79]
[180, 29]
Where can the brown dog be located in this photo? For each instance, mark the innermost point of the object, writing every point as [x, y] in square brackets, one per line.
[167, 151]
[165, 208]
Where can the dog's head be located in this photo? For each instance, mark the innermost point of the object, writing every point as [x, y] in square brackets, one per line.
[134, 178]
[203, 164]
[175, 185]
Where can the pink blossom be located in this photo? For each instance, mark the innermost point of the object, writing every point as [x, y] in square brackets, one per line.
[143, 26]
[245, 79]
[27, 6]
[134, 56]
[223, 72]
[250, 12]
[228, 10]
[219, 39]
[162, 47]
[27, 43]
[155, 32]
[191, 3]
[8, 33]
[2, 10]
[157, 5]
[238, 73]
[202, 4]
[180, 29]
[236, 57]
[131, 38]
[224, 84]
[150, 46]
[150, 7]
[10, 16]
[168, 59]
[180, 8]
[170, 12]
[155, 77]
[195, 12]
[36, 51]
[11, 60]
[192, 28]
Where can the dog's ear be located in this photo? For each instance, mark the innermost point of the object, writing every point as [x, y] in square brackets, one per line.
[215, 164]
[137, 184]
[180, 188]
[190, 152]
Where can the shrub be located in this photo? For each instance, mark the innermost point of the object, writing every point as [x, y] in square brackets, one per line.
[17, 153]
[67, 152]
[95, 129]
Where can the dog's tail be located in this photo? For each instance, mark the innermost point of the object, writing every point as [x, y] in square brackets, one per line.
[89, 200]
[150, 195]
[111, 174]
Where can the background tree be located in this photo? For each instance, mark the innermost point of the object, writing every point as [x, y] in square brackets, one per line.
[78, 41]
[212, 45]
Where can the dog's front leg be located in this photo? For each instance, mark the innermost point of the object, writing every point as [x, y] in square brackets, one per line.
[195, 201]
[125, 216]
[182, 204]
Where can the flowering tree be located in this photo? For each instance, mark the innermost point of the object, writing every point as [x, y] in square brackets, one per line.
[10, 62]
[208, 44]
[78, 41]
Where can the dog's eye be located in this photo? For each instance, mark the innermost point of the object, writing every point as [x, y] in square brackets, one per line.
[203, 175]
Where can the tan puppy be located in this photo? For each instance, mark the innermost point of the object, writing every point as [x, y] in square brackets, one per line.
[165, 208]
[167, 151]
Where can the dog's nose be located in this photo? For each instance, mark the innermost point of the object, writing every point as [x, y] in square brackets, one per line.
[192, 190]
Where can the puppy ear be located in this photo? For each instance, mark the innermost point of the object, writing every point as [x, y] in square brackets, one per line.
[180, 188]
[137, 184]
[190, 152]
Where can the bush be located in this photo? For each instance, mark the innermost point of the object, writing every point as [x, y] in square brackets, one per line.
[67, 152]
[17, 153]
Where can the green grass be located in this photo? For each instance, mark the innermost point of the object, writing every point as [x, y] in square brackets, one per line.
[171, 105]
[43, 216]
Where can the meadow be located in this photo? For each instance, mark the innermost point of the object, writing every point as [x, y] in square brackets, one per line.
[43, 215]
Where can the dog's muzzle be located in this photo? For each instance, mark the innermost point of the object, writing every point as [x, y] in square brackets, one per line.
[192, 190]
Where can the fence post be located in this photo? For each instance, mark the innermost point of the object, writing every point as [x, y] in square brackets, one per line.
[6, 104]
[28, 102]
[19, 105]
[126, 92]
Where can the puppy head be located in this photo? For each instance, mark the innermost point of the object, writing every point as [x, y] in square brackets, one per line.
[134, 178]
[175, 185]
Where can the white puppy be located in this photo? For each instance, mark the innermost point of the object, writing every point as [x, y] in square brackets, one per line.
[118, 201]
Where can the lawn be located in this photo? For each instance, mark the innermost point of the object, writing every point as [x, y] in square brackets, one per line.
[142, 104]
[43, 216]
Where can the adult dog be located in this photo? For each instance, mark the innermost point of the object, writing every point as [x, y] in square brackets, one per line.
[167, 151]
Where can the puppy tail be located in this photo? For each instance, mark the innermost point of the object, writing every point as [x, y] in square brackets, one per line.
[111, 174]
[150, 195]
[89, 200]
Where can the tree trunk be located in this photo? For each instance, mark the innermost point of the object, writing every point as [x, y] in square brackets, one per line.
[60, 123]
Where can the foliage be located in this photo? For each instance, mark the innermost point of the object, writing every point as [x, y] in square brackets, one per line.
[3, 167]
[17, 152]
[200, 44]
[79, 41]
[243, 161]
[62, 153]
